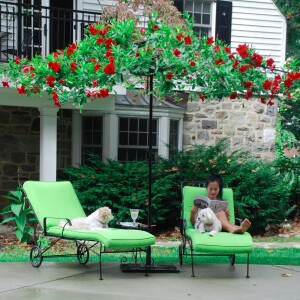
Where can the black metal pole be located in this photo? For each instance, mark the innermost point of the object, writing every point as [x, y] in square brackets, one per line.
[150, 152]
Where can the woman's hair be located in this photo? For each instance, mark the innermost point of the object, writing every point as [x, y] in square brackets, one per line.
[218, 179]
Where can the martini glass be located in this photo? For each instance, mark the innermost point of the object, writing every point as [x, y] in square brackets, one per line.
[134, 213]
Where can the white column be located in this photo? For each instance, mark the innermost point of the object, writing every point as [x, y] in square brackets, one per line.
[48, 143]
[164, 137]
[110, 137]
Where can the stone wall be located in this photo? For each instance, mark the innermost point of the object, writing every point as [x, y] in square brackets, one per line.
[248, 125]
[20, 144]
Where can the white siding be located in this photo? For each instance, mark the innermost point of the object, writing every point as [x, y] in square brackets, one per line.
[94, 6]
[259, 24]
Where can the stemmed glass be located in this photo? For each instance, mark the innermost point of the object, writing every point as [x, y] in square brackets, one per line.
[134, 213]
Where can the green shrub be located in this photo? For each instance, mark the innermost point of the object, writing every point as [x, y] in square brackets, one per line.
[261, 191]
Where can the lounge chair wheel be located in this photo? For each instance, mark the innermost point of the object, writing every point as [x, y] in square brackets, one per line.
[180, 252]
[83, 254]
[232, 259]
[36, 257]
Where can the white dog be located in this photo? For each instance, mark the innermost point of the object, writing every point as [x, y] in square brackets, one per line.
[99, 219]
[208, 222]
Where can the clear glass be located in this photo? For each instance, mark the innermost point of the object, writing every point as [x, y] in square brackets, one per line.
[134, 213]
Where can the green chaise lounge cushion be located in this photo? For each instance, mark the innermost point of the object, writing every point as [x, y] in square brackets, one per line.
[58, 201]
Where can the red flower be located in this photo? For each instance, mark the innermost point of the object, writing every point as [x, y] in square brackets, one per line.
[219, 62]
[267, 84]
[26, 69]
[109, 42]
[235, 64]
[55, 99]
[210, 40]
[55, 66]
[248, 95]
[248, 84]
[93, 30]
[192, 63]
[188, 40]
[95, 82]
[288, 94]
[233, 96]
[288, 82]
[155, 27]
[257, 59]
[109, 68]
[242, 50]
[179, 37]
[103, 93]
[202, 97]
[137, 54]
[243, 68]
[227, 50]
[21, 89]
[271, 103]
[170, 75]
[263, 100]
[216, 48]
[97, 67]
[108, 53]
[5, 83]
[50, 80]
[100, 41]
[71, 49]
[176, 52]
[270, 62]
[73, 66]
[104, 31]
[17, 60]
[61, 81]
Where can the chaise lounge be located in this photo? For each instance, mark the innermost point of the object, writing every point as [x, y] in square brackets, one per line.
[53, 202]
[195, 243]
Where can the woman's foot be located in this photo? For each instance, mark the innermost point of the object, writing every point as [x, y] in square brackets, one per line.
[245, 225]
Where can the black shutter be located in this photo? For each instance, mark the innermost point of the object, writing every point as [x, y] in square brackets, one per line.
[179, 5]
[223, 22]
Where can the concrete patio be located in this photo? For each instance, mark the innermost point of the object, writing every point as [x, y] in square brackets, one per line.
[74, 281]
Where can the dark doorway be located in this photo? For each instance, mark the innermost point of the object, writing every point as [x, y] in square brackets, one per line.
[61, 24]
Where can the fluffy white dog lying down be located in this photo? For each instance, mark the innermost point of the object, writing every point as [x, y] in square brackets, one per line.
[99, 219]
[208, 222]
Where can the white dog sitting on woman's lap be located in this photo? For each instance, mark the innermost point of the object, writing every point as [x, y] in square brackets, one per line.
[207, 221]
[99, 219]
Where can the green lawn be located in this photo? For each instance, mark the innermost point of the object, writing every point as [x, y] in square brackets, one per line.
[275, 256]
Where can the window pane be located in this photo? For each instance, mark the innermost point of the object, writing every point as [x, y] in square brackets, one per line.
[154, 125]
[206, 19]
[143, 125]
[123, 124]
[97, 123]
[189, 5]
[97, 139]
[133, 125]
[143, 139]
[88, 138]
[198, 6]
[123, 138]
[133, 139]
[206, 8]
[197, 18]
[87, 123]
[131, 154]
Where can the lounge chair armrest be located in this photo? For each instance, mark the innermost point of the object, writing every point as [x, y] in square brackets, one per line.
[68, 221]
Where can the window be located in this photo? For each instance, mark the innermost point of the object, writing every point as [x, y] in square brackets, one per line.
[92, 134]
[174, 129]
[200, 11]
[133, 139]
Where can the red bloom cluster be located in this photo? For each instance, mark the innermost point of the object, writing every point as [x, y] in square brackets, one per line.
[257, 59]
[110, 67]
[71, 49]
[170, 75]
[188, 40]
[5, 84]
[73, 67]
[26, 69]
[56, 102]
[210, 40]
[103, 93]
[50, 80]
[55, 66]
[242, 50]
[176, 52]
[21, 89]
[219, 62]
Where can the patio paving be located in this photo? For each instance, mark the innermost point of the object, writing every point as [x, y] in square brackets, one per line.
[74, 281]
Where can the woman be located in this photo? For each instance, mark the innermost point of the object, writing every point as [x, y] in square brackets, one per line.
[214, 187]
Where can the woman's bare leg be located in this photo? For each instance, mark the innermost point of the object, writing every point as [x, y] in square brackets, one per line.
[228, 226]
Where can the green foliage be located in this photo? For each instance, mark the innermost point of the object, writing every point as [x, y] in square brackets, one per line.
[262, 192]
[19, 212]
